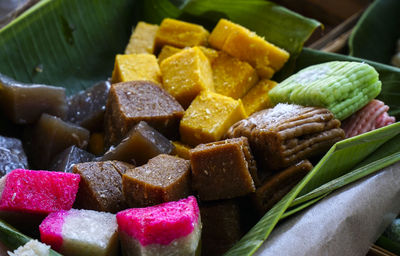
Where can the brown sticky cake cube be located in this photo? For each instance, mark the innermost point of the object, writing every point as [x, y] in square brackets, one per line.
[223, 169]
[164, 178]
[208, 118]
[131, 102]
[276, 187]
[100, 187]
[132, 67]
[142, 143]
[167, 51]
[142, 38]
[256, 98]
[185, 74]
[240, 42]
[181, 150]
[180, 34]
[221, 226]
[284, 135]
[232, 77]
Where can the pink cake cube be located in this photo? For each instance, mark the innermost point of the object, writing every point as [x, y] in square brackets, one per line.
[81, 232]
[39, 192]
[172, 228]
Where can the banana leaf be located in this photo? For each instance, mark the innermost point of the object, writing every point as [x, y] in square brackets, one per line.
[376, 33]
[12, 238]
[72, 43]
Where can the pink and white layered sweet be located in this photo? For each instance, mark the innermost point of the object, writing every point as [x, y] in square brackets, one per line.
[172, 228]
[372, 116]
[37, 192]
[81, 232]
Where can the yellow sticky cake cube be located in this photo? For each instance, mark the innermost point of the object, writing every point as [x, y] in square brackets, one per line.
[208, 118]
[210, 53]
[131, 67]
[222, 31]
[180, 34]
[181, 150]
[185, 74]
[257, 98]
[142, 39]
[240, 42]
[167, 51]
[232, 77]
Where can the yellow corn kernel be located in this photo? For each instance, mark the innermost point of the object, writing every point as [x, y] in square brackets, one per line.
[142, 39]
[208, 118]
[232, 77]
[257, 98]
[180, 34]
[181, 150]
[185, 74]
[131, 67]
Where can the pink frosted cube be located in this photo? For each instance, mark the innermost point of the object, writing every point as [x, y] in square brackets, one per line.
[39, 192]
[81, 232]
[171, 228]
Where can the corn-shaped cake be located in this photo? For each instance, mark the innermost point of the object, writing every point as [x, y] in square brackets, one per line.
[342, 87]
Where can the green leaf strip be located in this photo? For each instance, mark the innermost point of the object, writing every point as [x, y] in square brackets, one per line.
[292, 211]
[12, 238]
[348, 178]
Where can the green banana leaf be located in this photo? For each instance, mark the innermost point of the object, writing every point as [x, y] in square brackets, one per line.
[376, 33]
[72, 43]
[388, 244]
[12, 238]
[385, 155]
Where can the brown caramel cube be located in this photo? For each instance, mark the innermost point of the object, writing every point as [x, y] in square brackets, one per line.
[142, 143]
[131, 102]
[164, 178]
[87, 107]
[24, 103]
[51, 136]
[65, 161]
[222, 169]
[100, 187]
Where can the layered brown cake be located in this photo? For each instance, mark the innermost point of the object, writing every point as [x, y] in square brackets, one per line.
[286, 134]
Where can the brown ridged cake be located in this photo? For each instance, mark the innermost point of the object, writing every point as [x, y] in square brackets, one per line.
[286, 134]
